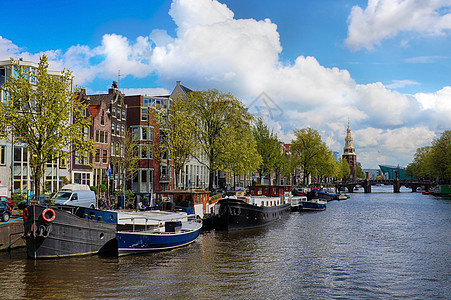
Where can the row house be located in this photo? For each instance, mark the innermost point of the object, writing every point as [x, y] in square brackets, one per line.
[109, 121]
[15, 171]
[155, 166]
[195, 173]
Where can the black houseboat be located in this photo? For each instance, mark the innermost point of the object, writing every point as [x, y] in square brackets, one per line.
[264, 205]
[59, 231]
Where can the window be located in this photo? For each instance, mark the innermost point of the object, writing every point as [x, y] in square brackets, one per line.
[102, 137]
[3, 155]
[86, 133]
[143, 175]
[102, 118]
[114, 112]
[144, 112]
[118, 114]
[123, 114]
[105, 156]
[2, 76]
[123, 130]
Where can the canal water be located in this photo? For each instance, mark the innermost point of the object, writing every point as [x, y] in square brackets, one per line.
[371, 246]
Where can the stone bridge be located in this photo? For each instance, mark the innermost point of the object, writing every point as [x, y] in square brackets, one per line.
[396, 183]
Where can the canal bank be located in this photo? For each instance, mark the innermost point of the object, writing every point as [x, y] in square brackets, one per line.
[11, 233]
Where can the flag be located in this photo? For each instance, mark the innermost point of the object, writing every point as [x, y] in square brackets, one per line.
[109, 171]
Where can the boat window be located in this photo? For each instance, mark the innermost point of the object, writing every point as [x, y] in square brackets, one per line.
[274, 191]
[267, 191]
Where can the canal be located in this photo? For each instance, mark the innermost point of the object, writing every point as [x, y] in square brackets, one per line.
[371, 246]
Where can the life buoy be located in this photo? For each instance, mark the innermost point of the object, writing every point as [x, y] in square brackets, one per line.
[26, 214]
[48, 215]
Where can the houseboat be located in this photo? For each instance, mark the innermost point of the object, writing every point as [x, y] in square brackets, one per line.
[264, 205]
[62, 230]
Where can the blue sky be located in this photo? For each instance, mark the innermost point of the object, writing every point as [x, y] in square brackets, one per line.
[384, 65]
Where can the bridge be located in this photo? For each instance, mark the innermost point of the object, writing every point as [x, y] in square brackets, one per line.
[396, 183]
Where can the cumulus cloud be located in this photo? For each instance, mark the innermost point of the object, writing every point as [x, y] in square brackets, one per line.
[213, 49]
[383, 19]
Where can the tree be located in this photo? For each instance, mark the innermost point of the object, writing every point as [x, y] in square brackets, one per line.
[309, 147]
[44, 113]
[441, 157]
[268, 146]
[128, 161]
[242, 157]
[344, 168]
[180, 142]
[214, 114]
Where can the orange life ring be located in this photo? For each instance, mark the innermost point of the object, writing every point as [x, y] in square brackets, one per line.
[52, 215]
[26, 214]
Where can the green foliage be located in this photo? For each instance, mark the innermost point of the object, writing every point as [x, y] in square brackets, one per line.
[129, 161]
[16, 198]
[102, 188]
[180, 142]
[312, 151]
[44, 113]
[94, 189]
[268, 146]
[215, 116]
[433, 162]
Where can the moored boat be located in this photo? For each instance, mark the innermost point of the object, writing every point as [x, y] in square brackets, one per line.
[313, 204]
[59, 231]
[264, 205]
[155, 231]
[322, 195]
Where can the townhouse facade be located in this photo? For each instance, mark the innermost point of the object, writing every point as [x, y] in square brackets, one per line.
[155, 170]
[15, 171]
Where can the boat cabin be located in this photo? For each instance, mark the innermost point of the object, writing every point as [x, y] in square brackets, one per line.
[191, 201]
[268, 191]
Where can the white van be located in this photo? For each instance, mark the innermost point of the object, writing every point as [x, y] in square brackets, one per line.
[81, 198]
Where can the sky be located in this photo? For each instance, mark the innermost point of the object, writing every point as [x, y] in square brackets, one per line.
[383, 66]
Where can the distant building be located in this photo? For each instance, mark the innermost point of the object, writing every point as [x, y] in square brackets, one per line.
[373, 174]
[336, 155]
[393, 172]
[349, 154]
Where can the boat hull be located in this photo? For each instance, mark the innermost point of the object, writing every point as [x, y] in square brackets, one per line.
[67, 234]
[313, 205]
[236, 214]
[146, 241]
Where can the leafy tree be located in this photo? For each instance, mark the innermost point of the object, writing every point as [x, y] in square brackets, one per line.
[214, 115]
[268, 146]
[44, 113]
[128, 161]
[310, 149]
[420, 167]
[241, 157]
[359, 171]
[344, 168]
[441, 156]
[180, 142]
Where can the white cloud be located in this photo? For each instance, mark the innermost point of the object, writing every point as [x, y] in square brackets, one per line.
[387, 18]
[396, 84]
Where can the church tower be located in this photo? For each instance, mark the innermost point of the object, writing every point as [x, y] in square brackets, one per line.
[349, 154]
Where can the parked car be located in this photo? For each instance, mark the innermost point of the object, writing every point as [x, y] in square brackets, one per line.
[7, 200]
[43, 199]
[5, 211]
